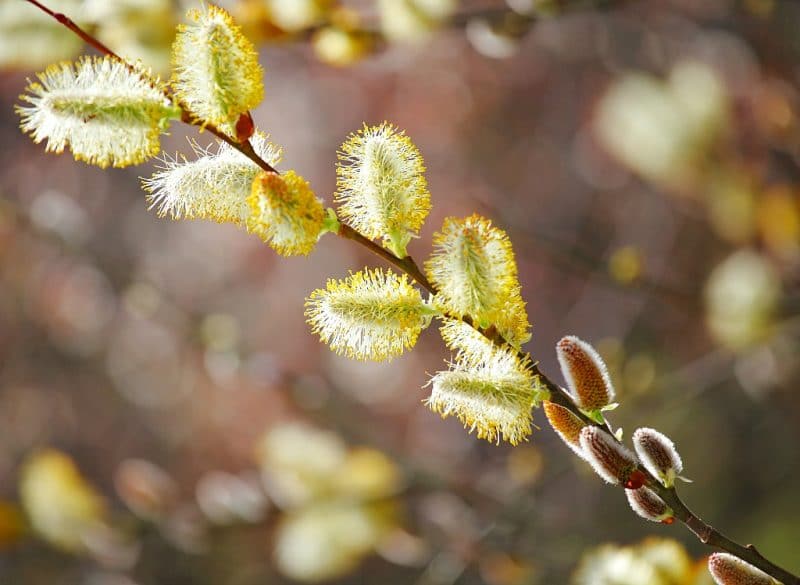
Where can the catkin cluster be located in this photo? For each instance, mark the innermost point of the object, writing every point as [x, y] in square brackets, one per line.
[109, 112]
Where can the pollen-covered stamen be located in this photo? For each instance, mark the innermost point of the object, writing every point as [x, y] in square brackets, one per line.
[371, 315]
[474, 270]
[585, 373]
[658, 454]
[285, 213]
[466, 340]
[105, 111]
[214, 186]
[609, 458]
[381, 186]
[566, 424]
[646, 503]
[728, 569]
[216, 70]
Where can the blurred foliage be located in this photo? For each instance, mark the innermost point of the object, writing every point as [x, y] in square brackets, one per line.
[643, 157]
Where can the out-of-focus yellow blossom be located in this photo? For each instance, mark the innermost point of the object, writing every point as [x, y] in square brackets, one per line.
[778, 218]
[626, 264]
[61, 505]
[298, 463]
[135, 29]
[741, 298]
[29, 38]
[413, 20]
[341, 47]
[368, 474]
[297, 15]
[501, 569]
[328, 539]
[662, 129]
[655, 561]
[730, 202]
[338, 502]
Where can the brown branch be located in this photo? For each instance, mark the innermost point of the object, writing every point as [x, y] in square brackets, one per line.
[706, 533]
[709, 535]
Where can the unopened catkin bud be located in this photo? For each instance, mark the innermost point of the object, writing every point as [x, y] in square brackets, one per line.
[658, 454]
[730, 570]
[585, 373]
[566, 424]
[646, 503]
[610, 459]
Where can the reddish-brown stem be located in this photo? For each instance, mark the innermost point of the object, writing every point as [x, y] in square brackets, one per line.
[706, 533]
[70, 24]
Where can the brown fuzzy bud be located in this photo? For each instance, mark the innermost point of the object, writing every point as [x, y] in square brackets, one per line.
[658, 454]
[646, 503]
[585, 374]
[730, 570]
[566, 424]
[609, 458]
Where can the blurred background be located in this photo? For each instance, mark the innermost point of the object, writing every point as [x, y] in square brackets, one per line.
[166, 416]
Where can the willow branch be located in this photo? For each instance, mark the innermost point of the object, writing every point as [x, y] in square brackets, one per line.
[705, 533]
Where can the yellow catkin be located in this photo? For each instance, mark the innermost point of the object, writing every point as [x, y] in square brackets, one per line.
[371, 315]
[105, 112]
[381, 187]
[285, 213]
[474, 270]
[216, 73]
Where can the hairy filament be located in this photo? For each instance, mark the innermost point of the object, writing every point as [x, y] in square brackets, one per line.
[214, 186]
